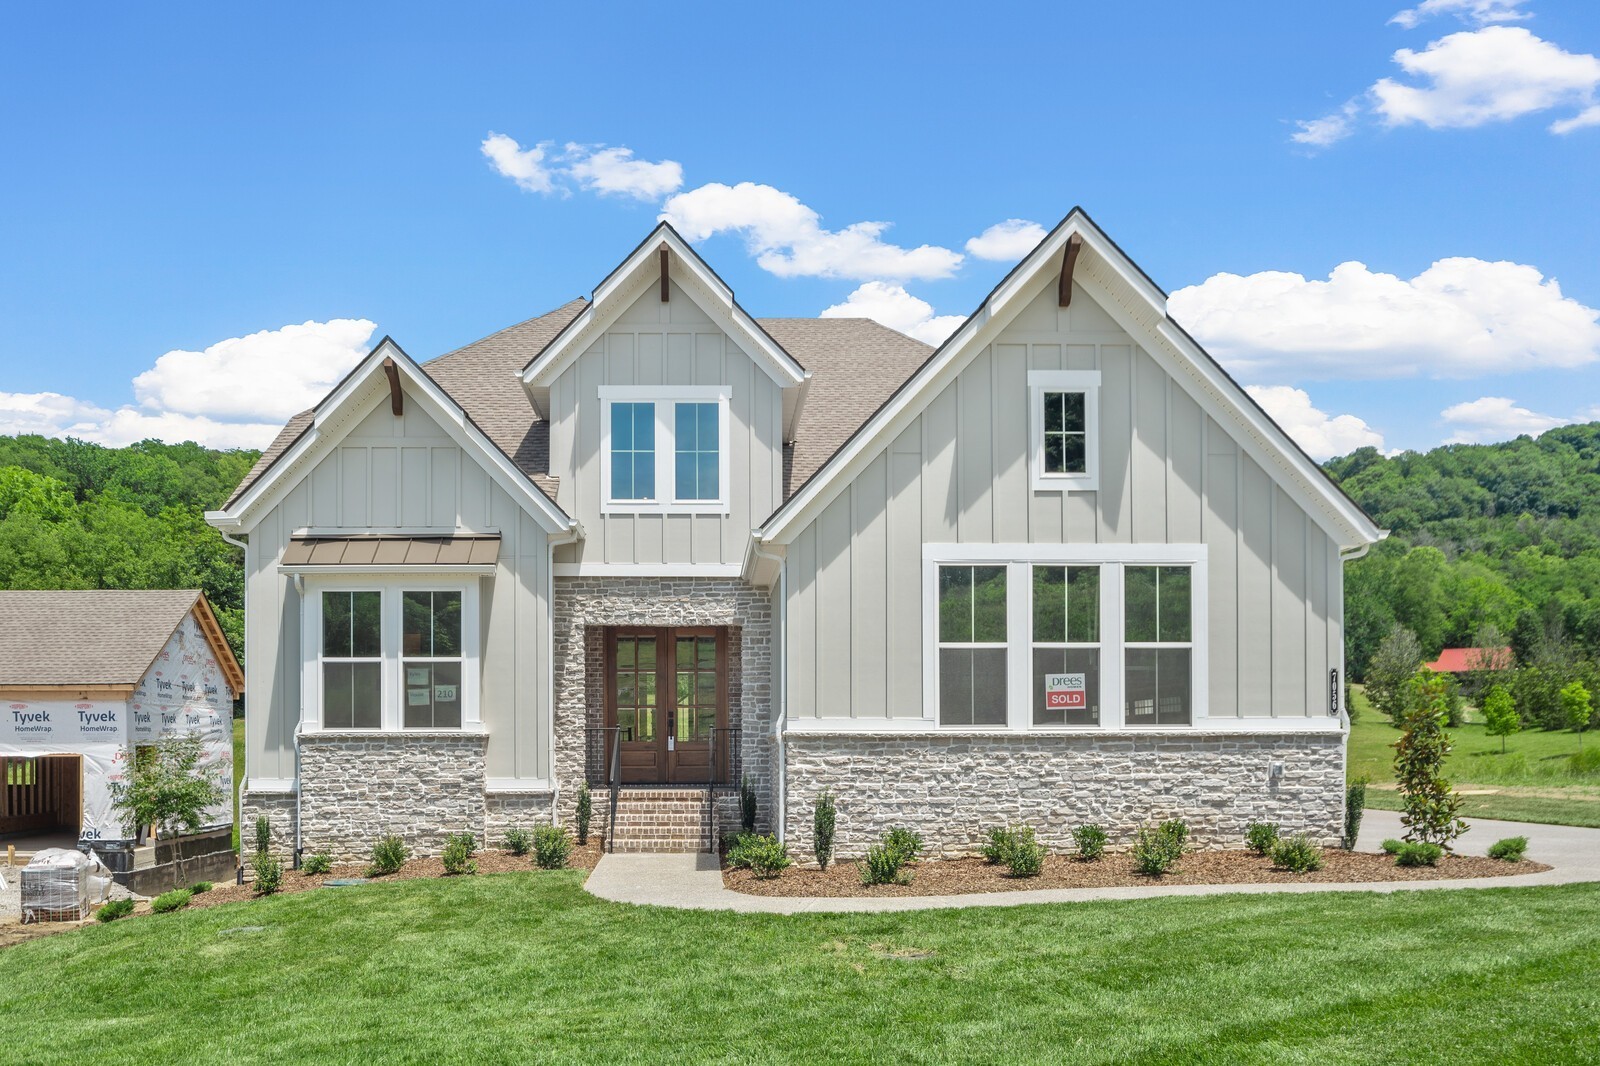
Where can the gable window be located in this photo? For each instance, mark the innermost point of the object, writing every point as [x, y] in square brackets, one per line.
[352, 660]
[664, 449]
[1064, 418]
[1064, 636]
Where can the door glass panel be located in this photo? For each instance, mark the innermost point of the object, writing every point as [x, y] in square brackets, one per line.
[636, 687]
[697, 687]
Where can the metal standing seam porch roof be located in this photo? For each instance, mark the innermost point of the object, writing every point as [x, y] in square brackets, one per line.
[380, 550]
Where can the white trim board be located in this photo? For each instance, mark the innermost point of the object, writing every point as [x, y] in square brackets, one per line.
[702, 570]
[920, 727]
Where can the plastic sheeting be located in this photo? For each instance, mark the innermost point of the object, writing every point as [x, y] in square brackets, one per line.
[61, 886]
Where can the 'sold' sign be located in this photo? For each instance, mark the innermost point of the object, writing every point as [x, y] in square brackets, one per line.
[1065, 692]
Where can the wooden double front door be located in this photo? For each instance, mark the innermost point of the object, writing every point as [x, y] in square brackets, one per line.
[667, 689]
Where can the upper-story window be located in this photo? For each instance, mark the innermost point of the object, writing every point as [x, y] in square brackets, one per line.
[664, 449]
[1064, 417]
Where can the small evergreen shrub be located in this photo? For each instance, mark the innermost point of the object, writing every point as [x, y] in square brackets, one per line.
[747, 805]
[822, 824]
[1156, 850]
[1418, 853]
[200, 886]
[1260, 836]
[1091, 841]
[907, 842]
[1297, 854]
[768, 857]
[745, 847]
[585, 812]
[269, 874]
[317, 864]
[168, 902]
[1026, 857]
[1355, 805]
[1392, 846]
[457, 855]
[519, 841]
[388, 855]
[1509, 850]
[884, 865]
[117, 908]
[551, 847]
[1177, 831]
[997, 849]
[263, 835]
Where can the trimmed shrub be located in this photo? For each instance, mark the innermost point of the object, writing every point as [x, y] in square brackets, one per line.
[457, 854]
[269, 874]
[907, 842]
[263, 835]
[768, 857]
[747, 805]
[1091, 841]
[117, 908]
[1510, 849]
[200, 886]
[317, 864]
[175, 900]
[388, 855]
[1392, 846]
[1026, 857]
[884, 865]
[822, 824]
[551, 847]
[585, 812]
[1418, 853]
[997, 850]
[1355, 805]
[1260, 836]
[1156, 850]
[1297, 854]
[519, 841]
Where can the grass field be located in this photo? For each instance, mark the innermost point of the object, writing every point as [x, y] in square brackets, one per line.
[1531, 782]
[529, 968]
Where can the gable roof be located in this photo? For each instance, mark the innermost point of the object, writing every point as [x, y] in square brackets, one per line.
[1466, 660]
[1139, 306]
[98, 637]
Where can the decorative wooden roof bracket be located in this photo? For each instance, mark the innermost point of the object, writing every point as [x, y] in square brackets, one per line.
[1069, 259]
[397, 398]
[665, 294]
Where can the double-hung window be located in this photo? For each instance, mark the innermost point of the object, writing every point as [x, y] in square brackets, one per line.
[1064, 424]
[352, 659]
[431, 659]
[664, 449]
[1038, 637]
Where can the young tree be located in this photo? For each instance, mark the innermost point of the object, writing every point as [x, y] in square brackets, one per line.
[168, 789]
[1430, 809]
[1500, 715]
[1575, 704]
[1389, 674]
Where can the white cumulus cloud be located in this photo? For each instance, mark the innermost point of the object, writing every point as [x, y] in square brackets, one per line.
[615, 171]
[1321, 132]
[525, 166]
[1460, 318]
[236, 393]
[893, 306]
[787, 238]
[1008, 240]
[1476, 12]
[1321, 435]
[1495, 418]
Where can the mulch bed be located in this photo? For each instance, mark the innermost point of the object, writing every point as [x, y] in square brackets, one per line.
[489, 862]
[948, 877]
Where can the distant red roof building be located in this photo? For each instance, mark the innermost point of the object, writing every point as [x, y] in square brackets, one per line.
[1466, 660]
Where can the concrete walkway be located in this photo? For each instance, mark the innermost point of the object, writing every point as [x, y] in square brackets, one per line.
[694, 882]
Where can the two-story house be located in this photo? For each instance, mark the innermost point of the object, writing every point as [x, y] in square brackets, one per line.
[1060, 570]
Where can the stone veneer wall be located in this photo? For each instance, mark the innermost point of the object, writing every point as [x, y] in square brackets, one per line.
[953, 788]
[278, 808]
[584, 604]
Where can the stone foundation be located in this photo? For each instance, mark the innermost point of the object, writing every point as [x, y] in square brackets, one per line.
[278, 808]
[954, 788]
[513, 810]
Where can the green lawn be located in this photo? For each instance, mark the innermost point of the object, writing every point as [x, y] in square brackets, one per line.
[529, 968]
[1531, 782]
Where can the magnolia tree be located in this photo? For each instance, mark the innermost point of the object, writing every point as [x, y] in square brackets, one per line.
[1430, 808]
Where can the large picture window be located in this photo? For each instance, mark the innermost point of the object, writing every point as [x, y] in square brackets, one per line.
[352, 660]
[972, 645]
[664, 448]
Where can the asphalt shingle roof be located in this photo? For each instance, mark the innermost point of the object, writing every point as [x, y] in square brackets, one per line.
[86, 637]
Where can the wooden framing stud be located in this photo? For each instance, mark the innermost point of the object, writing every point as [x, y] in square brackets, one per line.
[665, 292]
[1069, 259]
[397, 398]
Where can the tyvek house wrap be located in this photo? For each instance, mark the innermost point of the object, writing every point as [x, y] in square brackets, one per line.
[183, 691]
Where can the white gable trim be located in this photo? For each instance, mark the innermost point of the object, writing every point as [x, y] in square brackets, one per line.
[631, 278]
[1140, 309]
[354, 398]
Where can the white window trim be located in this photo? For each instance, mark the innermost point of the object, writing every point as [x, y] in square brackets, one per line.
[1086, 382]
[665, 397]
[392, 585]
[1019, 560]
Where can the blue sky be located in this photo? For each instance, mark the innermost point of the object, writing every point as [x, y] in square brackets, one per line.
[182, 183]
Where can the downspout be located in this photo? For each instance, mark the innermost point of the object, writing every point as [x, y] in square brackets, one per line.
[781, 697]
[300, 593]
[572, 533]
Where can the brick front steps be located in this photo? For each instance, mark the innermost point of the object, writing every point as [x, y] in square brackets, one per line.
[663, 820]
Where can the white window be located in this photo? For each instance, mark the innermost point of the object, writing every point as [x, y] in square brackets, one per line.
[1064, 428]
[1040, 637]
[664, 449]
[390, 653]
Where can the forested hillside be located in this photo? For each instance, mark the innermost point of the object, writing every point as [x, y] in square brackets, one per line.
[1504, 535]
[75, 516]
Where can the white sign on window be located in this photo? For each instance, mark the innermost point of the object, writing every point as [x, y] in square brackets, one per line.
[1065, 692]
[444, 694]
[416, 697]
